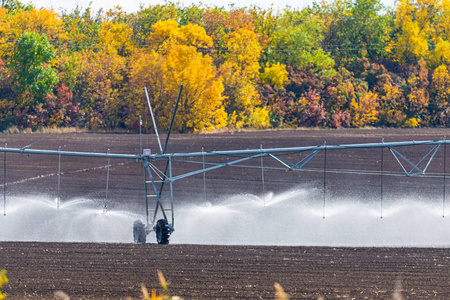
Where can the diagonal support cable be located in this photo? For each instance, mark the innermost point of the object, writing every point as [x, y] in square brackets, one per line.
[431, 158]
[305, 160]
[216, 167]
[284, 162]
[157, 194]
[432, 152]
[157, 171]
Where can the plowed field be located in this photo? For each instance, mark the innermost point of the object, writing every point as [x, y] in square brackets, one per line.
[115, 271]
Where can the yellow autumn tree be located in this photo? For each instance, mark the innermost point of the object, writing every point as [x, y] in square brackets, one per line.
[166, 34]
[43, 21]
[364, 112]
[412, 26]
[100, 77]
[274, 75]
[117, 36]
[240, 69]
[440, 95]
[174, 59]
[417, 98]
[440, 53]
[5, 29]
[146, 69]
[412, 122]
[441, 87]
[417, 93]
[392, 106]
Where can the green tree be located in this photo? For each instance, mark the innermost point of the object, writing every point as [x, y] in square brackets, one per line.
[14, 5]
[147, 17]
[29, 63]
[82, 28]
[356, 29]
[297, 40]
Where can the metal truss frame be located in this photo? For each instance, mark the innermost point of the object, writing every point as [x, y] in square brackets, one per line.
[159, 183]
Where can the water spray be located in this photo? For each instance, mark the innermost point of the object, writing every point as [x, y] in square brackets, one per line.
[262, 172]
[381, 180]
[59, 176]
[204, 175]
[324, 177]
[4, 181]
[443, 194]
[105, 206]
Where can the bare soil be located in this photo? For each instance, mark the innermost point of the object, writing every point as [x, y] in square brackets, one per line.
[115, 271]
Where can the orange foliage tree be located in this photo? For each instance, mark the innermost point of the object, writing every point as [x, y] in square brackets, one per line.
[175, 59]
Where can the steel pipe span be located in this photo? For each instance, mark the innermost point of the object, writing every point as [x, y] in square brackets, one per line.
[300, 149]
[70, 153]
[228, 152]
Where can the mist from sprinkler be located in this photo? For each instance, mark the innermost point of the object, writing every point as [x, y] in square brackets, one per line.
[291, 218]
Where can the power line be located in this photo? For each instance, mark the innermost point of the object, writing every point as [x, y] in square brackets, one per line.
[326, 48]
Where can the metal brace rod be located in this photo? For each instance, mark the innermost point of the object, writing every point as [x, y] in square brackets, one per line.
[294, 166]
[398, 161]
[171, 194]
[156, 170]
[307, 158]
[215, 167]
[342, 171]
[415, 167]
[153, 120]
[158, 196]
[146, 193]
[172, 120]
[284, 162]
[168, 164]
[431, 158]
[151, 177]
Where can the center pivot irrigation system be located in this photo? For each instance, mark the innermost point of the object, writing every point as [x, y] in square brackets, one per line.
[159, 192]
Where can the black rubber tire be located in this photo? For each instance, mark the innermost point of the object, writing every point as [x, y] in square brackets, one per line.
[139, 234]
[162, 232]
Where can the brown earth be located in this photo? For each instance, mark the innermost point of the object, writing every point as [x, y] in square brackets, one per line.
[114, 271]
[87, 270]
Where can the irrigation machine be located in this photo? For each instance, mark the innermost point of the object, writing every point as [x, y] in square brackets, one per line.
[159, 192]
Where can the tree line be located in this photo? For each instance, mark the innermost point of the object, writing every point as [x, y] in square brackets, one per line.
[341, 63]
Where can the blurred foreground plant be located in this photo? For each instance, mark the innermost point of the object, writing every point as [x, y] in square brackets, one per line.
[3, 280]
[165, 295]
[279, 295]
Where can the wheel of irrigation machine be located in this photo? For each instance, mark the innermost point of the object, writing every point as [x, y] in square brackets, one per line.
[139, 234]
[162, 232]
